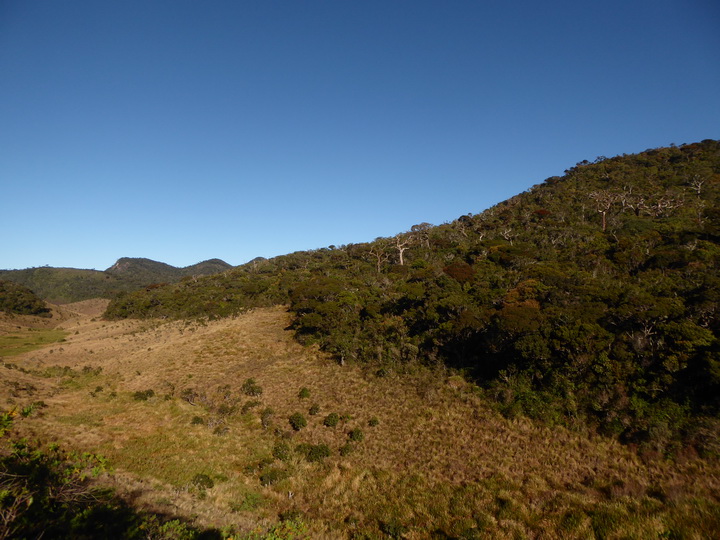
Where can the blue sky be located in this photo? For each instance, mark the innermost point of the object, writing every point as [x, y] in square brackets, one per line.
[184, 130]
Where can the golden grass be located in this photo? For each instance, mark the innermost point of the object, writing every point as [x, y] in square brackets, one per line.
[439, 457]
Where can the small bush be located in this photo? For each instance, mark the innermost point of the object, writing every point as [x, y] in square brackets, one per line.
[202, 481]
[250, 501]
[273, 476]
[225, 410]
[143, 395]
[373, 421]
[266, 417]
[313, 452]
[251, 404]
[197, 421]
[346, 449]
[314, 409]
[304, 393]
[331, 420]
[281, 451]
[251, 388]
[356, 435]
[297, 421]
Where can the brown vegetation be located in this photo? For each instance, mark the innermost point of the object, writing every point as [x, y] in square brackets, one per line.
[432, 455]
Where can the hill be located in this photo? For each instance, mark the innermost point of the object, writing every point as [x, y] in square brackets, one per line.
[19, 300]
[544, 369]
[64, 285]
[589, 300]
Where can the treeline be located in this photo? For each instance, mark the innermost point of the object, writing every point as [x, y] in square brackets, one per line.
[591, 299]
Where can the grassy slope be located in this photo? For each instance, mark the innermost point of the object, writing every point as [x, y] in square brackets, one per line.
[440, 459]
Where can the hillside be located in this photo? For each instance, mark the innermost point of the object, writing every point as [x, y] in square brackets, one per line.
[64, 285]
[194, 421]
[589, 300]
[19, 300]
[548, 368]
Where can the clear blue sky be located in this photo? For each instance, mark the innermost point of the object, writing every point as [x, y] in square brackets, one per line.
[186, 130]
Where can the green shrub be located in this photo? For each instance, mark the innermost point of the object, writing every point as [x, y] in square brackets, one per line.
[313, 452]
[356, 435]
[346, 449]
[143, 395]
[251, 388]
[331, 420]
[197, 421]
[297, 421]
[304, 393]
[250, 501]
[281, 451]
[314, 409]
[202, 481]
[266, 417]
[273, 476]
[373, 421]
[225, 410]
[251, 404]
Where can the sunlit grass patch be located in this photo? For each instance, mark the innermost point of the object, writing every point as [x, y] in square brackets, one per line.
[29, 340]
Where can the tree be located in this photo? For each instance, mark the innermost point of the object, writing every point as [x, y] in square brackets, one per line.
[402, 243]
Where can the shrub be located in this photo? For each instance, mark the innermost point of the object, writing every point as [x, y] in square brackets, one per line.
[251, 388]
[313, 452]
[225, 410]
[314, 409]
[356, 435]
[249, 405]
[272, 476]
[304, 393]
[202, 481]
[266, 417]
[331, 420]
[250, 501]
[346, 449]
[281, 451]
[373, 421]
[297, 421]
[143, 395]
[197, 421]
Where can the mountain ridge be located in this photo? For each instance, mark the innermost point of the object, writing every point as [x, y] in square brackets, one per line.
[66, 285]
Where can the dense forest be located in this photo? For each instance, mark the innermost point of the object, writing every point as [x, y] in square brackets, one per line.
[590, 300]
[19, 300]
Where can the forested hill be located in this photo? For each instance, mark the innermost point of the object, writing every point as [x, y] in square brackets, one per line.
[591, 299]
[62, 285]
[19, 300]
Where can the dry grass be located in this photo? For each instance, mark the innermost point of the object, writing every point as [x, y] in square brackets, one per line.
[438, 458]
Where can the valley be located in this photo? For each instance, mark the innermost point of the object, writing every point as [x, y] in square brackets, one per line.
[415, 453]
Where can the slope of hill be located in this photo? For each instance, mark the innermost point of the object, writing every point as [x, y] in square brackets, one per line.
[589, 300]
[234, 425]
[19, 300]
[63, 285]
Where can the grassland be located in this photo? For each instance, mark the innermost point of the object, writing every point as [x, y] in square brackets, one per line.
[29, 340]
[418, 454]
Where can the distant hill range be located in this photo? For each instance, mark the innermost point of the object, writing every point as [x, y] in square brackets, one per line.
[63, 285]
